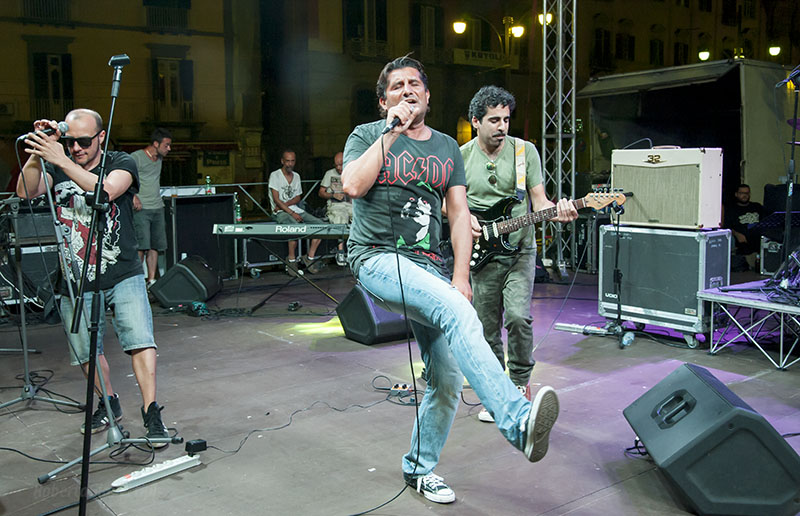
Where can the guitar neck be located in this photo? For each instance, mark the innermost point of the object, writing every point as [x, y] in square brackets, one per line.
[513, 224]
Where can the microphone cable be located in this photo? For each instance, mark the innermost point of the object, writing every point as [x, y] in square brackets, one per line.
[384, 172]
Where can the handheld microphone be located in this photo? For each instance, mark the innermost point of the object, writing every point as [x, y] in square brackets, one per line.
[62, 126]
[394, 123]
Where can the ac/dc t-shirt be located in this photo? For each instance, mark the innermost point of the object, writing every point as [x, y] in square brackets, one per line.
[120, 250]
[403, 209]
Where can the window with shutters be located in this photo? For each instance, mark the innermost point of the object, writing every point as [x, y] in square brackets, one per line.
[52, 86]
[173, 89]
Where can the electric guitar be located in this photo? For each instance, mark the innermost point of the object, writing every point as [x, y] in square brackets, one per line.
[496, 223]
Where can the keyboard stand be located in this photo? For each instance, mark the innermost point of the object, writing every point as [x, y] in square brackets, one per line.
[300, 274]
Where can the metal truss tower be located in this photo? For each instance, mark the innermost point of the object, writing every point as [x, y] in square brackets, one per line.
[558, 124]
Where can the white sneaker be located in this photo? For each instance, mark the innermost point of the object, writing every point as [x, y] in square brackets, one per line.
[543, 415]
[484, 416]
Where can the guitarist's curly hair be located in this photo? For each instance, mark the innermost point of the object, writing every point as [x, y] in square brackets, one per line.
[490, 96]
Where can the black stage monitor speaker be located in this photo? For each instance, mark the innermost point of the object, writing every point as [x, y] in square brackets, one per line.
[191, 279]
[722, 456]
[365, 322]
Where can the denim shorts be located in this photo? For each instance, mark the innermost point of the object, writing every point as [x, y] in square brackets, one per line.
[130, 314]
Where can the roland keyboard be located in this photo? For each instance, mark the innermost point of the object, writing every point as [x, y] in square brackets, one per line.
[270, 229]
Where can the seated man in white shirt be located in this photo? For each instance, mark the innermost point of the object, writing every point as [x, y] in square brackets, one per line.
[286, 193]
[339, 206]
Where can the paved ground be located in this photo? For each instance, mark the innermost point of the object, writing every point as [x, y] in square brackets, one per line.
[300, 423]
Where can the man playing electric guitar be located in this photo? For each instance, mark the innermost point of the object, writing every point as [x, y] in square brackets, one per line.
[498, 167]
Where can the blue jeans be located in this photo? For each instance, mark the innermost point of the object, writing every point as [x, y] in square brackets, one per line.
[132, 319]
[450, 339]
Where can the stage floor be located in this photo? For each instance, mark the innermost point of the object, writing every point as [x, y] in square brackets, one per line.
[318, 439]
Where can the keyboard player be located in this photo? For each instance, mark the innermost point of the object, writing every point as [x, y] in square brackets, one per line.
[286, 192]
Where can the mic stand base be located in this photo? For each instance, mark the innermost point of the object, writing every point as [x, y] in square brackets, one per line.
[611, 329]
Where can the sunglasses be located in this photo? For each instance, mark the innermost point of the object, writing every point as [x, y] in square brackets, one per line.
[84, 141]
[491, 167]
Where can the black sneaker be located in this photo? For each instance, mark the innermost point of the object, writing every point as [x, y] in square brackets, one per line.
[432, 487]
[313, 265]
[100, 419]
[543, 415]
[155, 427]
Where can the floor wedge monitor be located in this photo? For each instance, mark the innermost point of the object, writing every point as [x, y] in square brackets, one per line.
[365, 322]
[191, 279]
[722, 456]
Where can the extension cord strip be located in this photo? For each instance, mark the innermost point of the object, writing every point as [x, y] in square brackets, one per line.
[154, 472]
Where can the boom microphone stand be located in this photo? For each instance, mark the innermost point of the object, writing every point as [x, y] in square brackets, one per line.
[29, 390]
[100, 203]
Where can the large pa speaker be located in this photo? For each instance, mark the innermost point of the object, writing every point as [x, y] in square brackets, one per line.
[189, 223]
[652, 174]
[719, 453]
[191, 279]
[365, 322]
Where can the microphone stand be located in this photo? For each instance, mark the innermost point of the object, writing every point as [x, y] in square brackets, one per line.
[615, 328]
[787, 225]
[99, 203]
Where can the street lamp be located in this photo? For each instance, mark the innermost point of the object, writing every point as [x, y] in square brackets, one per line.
[774, 50]
[703, 55]
[509, 30]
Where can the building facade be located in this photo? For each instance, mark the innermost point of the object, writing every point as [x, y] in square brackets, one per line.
[194, 69]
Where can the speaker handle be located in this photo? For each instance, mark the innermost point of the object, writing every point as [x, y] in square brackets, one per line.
[675, 407]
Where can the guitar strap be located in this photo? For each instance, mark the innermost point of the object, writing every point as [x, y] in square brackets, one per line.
[519, 165]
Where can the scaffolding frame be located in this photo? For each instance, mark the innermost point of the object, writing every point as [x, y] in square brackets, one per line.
[558, 126]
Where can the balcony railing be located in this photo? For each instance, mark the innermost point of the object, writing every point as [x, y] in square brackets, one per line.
[368, 48]
[49, 109]
[167, 18]
[46, 11]
[165, 114]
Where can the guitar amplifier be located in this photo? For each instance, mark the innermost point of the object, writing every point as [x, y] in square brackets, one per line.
[650, 173]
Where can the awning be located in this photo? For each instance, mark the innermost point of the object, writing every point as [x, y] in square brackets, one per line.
[635, 82]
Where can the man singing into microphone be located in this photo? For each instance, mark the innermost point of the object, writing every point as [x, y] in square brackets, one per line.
[399, 181]
[121, 280]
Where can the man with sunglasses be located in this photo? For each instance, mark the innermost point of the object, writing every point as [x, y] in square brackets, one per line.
[151, 231]
[72, 170]
[503, 286]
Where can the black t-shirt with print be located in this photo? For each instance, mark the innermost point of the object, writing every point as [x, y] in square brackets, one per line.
[403, 209]
[120, 254]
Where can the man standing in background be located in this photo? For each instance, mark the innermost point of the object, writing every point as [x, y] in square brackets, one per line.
[148, 216]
